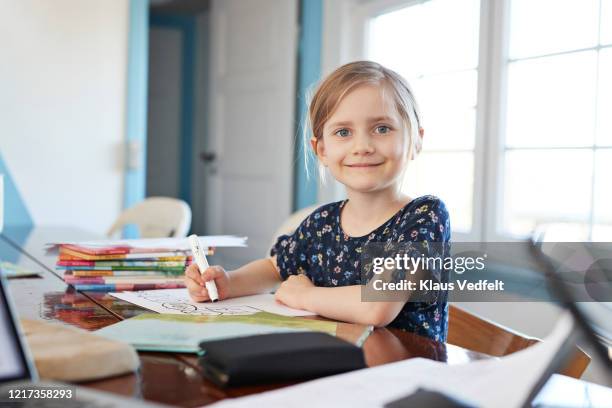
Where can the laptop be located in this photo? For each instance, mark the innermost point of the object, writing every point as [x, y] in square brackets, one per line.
[19, 381]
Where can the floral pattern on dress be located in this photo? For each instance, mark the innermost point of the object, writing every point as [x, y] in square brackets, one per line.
[321, 250]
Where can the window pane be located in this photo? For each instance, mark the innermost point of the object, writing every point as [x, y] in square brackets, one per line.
[447, 104]
[551, 101]
[544, 186]
[603, 187]
[604, 116]
[602, 233]
[567, 232]
[439, 35]
[605, 37]
[449, 176]
[541, 27]
[434, 45]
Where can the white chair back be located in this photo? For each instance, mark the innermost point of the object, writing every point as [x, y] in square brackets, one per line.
[291, 223]
[156, 217]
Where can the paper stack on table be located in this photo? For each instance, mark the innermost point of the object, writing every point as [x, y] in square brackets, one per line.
[142, 264]
[177, 301]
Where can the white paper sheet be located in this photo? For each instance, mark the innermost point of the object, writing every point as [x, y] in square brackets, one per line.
[503, 382]
[177, 301]
[178, 244]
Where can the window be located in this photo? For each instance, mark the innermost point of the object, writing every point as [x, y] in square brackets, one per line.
[518, 131]
[558, 134]
[434, 45]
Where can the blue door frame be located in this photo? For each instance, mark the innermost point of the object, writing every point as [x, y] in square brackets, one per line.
[136, 106]
[305, 189]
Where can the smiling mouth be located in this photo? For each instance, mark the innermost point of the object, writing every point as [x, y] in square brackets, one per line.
[363, 165]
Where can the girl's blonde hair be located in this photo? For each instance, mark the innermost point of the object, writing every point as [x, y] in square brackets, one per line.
[343, 80]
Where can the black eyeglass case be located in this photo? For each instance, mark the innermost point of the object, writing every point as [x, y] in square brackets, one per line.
[277, 357]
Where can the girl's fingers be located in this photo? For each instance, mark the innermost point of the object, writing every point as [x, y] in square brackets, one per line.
[211, 273]
[198, 298]
[193, 273]
[197, 292]
[193, 286]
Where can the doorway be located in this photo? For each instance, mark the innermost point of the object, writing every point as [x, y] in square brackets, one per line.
[178, 35]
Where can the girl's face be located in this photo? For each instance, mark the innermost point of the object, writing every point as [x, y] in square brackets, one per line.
[365, 143]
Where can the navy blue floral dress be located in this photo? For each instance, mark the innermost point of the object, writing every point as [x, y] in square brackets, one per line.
[321, 250]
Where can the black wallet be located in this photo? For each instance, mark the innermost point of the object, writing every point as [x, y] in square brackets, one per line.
[277, 357]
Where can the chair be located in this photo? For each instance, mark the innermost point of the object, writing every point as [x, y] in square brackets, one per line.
[484, 336]
[292, 223]
[156, 217]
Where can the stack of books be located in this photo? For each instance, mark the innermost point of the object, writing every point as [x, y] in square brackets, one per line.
[115, 268]
[127, 265]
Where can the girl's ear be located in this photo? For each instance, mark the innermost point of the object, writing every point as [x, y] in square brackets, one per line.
[418, 145]
[313, 143]
[319, 149]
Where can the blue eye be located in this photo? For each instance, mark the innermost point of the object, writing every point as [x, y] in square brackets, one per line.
[382, 129]
[342, 132]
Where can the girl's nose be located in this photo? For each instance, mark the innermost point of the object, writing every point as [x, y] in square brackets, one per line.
[362, 143]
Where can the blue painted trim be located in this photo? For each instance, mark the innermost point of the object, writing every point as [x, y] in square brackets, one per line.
[136, 108]
[15, 211]
[17, 236]
[187, 26]
[309, 72]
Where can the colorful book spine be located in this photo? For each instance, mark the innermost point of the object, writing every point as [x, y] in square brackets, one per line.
[97, 251]
[122, 268]
[124, 279]
[111, 264]
[119, 287]
[183, 258]
[123, 273]
[140, 256]
[137, 269]
[118, 250]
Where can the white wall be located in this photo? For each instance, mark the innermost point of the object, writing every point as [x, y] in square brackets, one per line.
[63, 66]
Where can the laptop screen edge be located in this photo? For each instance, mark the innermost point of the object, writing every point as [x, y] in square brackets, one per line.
[30, 373]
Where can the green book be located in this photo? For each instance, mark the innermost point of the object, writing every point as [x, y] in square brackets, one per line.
[183, 334]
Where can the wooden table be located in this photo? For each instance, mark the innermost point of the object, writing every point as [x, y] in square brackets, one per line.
[166, 377]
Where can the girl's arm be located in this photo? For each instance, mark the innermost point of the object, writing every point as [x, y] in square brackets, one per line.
[338, 303]
[344, 303]
[255, 277]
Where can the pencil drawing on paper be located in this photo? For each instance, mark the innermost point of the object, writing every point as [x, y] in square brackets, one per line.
[172, 303]
[178, 301]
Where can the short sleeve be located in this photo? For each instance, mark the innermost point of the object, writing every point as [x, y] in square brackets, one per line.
[428, 227]
[291, 251]
[429, 222]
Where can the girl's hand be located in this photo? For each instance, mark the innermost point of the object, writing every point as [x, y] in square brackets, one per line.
[195, 282]
[292, 292]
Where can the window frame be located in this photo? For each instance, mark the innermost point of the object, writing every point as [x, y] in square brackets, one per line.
[344, 40]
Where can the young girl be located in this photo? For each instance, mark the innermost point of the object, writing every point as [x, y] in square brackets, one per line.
[365, 130]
